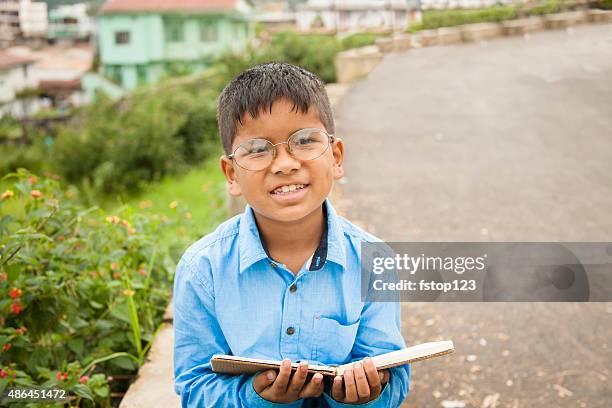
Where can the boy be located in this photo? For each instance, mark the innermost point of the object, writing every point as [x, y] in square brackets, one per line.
[281, 281]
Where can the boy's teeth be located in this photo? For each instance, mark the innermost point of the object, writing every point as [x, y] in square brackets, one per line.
[288, 189]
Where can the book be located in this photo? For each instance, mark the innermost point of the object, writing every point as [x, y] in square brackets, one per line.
[228, 364]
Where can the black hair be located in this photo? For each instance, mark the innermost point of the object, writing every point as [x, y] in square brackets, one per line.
[258, 87]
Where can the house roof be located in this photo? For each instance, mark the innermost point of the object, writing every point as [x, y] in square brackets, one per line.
[130, 6]
[8, 60]
[60, 85]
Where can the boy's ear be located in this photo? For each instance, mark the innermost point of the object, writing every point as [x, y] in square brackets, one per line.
[227, 167]
[338, 155]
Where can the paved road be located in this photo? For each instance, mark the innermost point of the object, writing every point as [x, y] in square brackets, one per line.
[505, 141]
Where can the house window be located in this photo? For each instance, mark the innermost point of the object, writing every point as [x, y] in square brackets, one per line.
[122, 37]
[208, 31]
[174, 30]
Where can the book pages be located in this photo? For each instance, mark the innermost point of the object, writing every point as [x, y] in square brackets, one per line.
[228, 364]
[408, 355]
[244, 365]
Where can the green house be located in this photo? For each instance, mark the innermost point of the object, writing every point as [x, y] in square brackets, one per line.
[143, 40]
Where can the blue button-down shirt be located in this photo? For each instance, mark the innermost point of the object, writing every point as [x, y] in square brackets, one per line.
[230, 297]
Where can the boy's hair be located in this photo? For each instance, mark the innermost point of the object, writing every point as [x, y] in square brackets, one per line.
[257, 88]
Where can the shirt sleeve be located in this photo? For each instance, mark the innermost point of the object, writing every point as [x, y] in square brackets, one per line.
[379, 332]
[197, 337]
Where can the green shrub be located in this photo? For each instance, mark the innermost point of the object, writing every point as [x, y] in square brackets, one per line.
[10, 129]
[123, 146]
[313, 52]
[83, 293]
[453, 17]
[546, 7]
[360, 40]
[29, 156]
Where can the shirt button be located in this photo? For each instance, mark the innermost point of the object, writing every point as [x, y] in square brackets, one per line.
[293, 288]
[290, 330]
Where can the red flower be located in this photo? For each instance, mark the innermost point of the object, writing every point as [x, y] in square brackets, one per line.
[65, 376]
[36, 194]
[21, 330]
[59, 376]
[15, 293]
[6, 347]
[3, 276]
[117, 275]
[142, 272]
[84, 379]
[3, 374]
[15, 308]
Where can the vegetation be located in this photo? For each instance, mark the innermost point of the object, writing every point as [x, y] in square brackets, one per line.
[83, 290]
[433, 19]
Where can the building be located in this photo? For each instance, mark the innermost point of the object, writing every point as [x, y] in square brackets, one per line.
[71, 22]
[275, 16]
[56, 73]
[142, 41]
[16, 75]
[356, 15]
[22, 20]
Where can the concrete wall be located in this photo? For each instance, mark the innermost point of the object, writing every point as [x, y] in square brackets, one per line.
[15, 79]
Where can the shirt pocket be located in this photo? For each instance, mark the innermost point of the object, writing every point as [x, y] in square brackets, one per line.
[333, 340]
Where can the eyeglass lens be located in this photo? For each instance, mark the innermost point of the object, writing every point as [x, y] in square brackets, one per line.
[257, 154]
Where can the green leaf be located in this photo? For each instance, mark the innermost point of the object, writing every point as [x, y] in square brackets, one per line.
[101, 391]
[77, 345]
[124, 362]
[3, 383]
[121, 311]
[83, 391]
[78, 323]
[95, 304]
[104, 324]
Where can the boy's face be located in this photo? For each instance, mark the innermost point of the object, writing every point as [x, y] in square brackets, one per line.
[257, 186]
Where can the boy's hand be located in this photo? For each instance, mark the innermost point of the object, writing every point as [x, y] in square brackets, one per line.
[362, 383]
[285, 388]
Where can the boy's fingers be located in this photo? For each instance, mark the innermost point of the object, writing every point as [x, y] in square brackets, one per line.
[263, 380]
[385, 378]
[297, 381]
[314, 388]
[280, 385]
[350, 389]
[337, 392]
[372, 375]
[361, 381]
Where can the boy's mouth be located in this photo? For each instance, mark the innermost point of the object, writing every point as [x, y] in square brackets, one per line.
[288, 189]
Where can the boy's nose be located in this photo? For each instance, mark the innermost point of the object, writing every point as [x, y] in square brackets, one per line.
[284, 162]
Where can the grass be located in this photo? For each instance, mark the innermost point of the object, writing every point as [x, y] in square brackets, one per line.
[199, 193]
[198, 196]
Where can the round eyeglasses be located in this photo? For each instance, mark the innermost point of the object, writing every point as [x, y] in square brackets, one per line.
[305, 144]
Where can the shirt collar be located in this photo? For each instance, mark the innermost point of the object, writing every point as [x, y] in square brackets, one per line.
[331, 247]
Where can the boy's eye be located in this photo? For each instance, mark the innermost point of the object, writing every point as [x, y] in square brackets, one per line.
[305, 140]
[308, 140]
[257, 150]
[255, 147]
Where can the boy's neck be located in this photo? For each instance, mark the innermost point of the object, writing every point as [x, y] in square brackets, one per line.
[291, 237]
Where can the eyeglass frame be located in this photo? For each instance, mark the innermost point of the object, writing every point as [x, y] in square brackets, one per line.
[330, 139]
